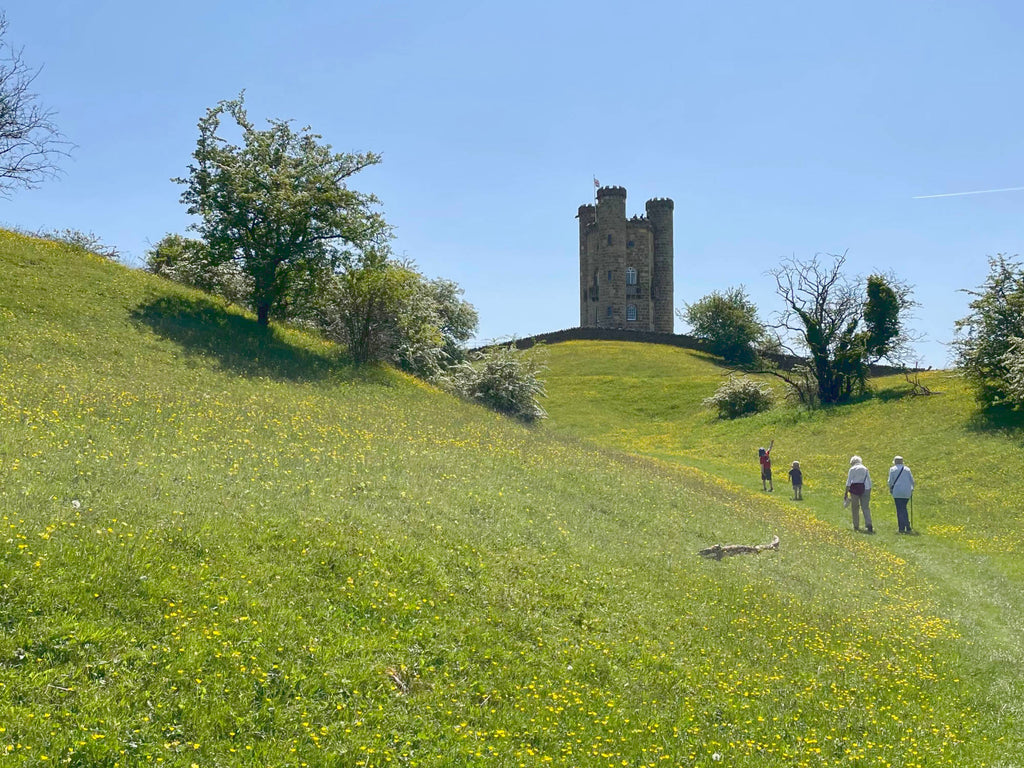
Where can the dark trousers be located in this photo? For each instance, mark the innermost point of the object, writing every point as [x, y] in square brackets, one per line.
[901, 515]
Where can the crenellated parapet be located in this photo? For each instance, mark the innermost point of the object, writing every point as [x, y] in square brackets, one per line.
[587, 214]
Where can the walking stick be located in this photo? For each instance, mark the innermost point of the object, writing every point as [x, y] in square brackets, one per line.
[912, 512]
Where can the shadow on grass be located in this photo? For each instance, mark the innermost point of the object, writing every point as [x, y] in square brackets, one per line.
[998, 418]
[204, 328]
[887, 395]
[740, 369]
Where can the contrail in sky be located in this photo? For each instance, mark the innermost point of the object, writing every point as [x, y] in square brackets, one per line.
[975, 192]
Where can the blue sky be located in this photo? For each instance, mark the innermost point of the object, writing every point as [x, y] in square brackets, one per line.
[779, 129]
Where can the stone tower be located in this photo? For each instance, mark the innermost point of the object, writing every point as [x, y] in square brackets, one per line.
[626, 264]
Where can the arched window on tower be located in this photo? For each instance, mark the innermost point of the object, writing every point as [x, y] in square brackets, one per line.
[631, 312]
[630, 276]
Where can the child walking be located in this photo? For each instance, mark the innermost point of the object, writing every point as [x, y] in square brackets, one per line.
[796, 477]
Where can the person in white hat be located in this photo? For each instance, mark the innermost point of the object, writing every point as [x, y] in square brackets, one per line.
[901, 488]
[858, 490]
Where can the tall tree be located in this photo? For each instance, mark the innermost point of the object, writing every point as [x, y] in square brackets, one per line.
[30, 143]
[840, 331]
[279, 206]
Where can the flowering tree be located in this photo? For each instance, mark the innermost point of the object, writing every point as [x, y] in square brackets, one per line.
[985, 341]
[278, 205]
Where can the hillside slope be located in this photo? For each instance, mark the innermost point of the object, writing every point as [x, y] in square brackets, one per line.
[224, 546]
[969, 468]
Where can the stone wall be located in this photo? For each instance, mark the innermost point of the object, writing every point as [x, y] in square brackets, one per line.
[785, 362]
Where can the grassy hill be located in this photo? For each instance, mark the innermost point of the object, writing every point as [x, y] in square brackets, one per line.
[225, 546]
[969, 468]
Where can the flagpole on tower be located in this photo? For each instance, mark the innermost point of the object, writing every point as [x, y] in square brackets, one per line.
[597, 186]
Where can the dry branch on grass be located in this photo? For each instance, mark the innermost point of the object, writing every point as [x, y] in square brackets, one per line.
[718, 551]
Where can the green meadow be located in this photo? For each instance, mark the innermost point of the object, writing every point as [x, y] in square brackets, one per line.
[226, 546]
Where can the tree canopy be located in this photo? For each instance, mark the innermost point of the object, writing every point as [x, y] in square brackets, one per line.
[279, 206]
[728, 322]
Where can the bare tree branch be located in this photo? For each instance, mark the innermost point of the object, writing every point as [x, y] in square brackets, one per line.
[824, 320]
[30, 143]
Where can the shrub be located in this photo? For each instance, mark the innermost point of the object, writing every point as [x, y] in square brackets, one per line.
[803, 386]
[178, 258]
[187, 261]
[504, 379]
[87, 241]
[376, 310]
[739, 396]
[385, 310]
[1014, 362]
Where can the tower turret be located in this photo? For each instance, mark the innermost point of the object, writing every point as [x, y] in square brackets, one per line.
[659, 214]
[611, 204]
[608, 256]
[588, 217]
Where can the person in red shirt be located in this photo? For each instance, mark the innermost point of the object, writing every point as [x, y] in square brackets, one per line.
[765, 457]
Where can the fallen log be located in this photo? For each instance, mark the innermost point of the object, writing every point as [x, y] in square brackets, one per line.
[718, 551]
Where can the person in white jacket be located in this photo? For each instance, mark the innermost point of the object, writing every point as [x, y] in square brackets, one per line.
[858, 488]
[901, 487]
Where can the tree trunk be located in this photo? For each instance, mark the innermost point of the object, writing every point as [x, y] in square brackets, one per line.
[263, 314]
